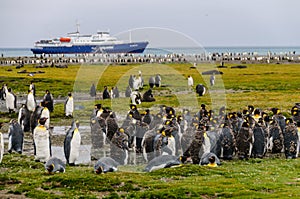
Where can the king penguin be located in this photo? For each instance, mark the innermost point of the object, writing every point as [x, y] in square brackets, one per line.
[72, 144]
[24, 118]
[210, 159]
[164, 161]
[30, 101]
[42, 143]
[55, 165]
[1, 146]
[15, 137]
[105, 164]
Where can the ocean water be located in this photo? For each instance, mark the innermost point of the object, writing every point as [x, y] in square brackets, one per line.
[25, 52]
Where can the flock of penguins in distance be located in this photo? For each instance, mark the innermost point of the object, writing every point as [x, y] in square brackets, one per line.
[167, 138]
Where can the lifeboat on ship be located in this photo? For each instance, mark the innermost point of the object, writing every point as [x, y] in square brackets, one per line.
[65, 39]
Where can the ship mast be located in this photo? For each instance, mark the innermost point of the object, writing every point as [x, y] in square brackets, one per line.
[77, 27]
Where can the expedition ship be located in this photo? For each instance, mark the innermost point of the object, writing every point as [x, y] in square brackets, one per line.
[76, 43]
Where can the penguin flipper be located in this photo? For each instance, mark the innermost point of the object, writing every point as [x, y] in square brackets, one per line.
[67, 147]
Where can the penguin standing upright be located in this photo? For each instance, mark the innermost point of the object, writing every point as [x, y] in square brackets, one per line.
[93, 90]
[11, 101]
[69, 106]
[151, 82]
[42, 142]
[30, 101]
[48, 99]
[35, 116]
[130, 81]
[1, 146]
[55, 165]
[32, 88]
[157, 80]
[116, 92]
[15, 137]
[112, 126]
[128, 91]
[72, 144]
[24, 118]
[119, 147]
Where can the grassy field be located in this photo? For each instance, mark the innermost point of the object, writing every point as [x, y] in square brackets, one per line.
[255, 178]
[261, 85]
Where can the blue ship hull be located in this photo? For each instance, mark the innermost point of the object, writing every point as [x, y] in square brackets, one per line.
[134, 47]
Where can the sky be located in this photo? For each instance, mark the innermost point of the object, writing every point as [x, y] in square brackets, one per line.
[207, 22]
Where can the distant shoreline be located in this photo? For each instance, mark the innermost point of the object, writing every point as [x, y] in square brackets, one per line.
[218, 58]
[257, 50]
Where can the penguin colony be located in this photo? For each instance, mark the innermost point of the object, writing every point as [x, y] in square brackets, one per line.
[165, 139]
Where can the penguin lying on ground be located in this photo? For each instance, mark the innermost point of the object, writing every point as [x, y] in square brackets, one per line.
[164, 161]
[15, 137]
[210, 159]
[105, 164]
[72, 144]
[55, 165]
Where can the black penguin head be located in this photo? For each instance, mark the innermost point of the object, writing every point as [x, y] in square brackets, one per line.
[132, 106]
[264, 114]
[239, 114]
[231, 115]
[294, 113]
[261, 121]
[43, 103]
[275, 110]
[183, 159]
[245, 112]
[98, 106]
[99, 170]
[42, 120]
[50, 168]
[257, 112]
[112, 115]
[210, 113]
[77, 123]
[289, 121]
[179, 118]
[250, 108]
[245, 124]
[212, 159]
